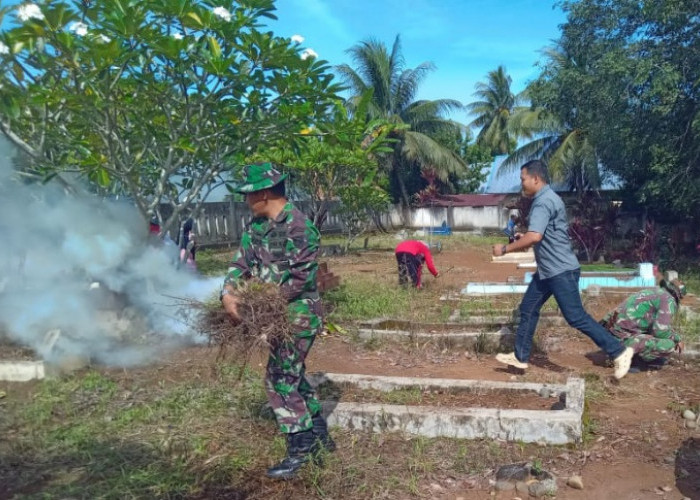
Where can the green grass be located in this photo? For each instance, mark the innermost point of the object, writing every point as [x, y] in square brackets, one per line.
[96, 435]
[91, 437]
[214, 262]
[689, 328]
[605, 268]
[363, 299]
[595, 392]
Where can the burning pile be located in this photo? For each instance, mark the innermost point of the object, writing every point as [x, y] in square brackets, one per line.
[263, 321]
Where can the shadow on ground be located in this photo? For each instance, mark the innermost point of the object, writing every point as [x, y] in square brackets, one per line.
[688, 468]
[115, 470]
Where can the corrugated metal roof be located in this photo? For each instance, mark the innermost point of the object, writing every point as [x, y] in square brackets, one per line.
[503, 182]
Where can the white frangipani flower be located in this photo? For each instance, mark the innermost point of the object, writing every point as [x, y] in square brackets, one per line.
[79, 28]
[297, 38]
[222, 13]
[308, 53]
[4, 49]
[29, 11]
[177, 36]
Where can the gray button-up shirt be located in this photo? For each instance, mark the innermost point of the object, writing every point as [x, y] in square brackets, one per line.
[553, 253]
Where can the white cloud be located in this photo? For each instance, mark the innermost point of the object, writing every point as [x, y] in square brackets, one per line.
[4, 49]
[222, 13]
[29, 11]
[177, 36]
[297, 38]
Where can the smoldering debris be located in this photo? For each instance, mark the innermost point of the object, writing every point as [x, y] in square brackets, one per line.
[84, 265]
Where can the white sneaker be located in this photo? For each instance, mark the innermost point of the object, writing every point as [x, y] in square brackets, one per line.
[510, 360]
[623, 363]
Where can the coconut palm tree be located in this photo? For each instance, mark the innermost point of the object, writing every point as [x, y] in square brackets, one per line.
[495, 105]
[552, 134]
[394, 90]
[570, 156]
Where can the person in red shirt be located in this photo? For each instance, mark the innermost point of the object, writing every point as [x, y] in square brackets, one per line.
[410, 255]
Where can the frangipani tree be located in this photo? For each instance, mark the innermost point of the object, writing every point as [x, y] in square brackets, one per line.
[337, 161]
[153, 99]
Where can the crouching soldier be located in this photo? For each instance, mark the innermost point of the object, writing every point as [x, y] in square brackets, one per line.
[280, 245]
[644, 322]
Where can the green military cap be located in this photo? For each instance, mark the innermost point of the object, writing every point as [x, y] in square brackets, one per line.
[259, 176]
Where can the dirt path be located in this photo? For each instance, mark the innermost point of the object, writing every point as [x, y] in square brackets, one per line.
[641, 448]
[638, 446]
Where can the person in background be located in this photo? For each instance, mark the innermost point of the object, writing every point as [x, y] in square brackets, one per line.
[644, 322]
[280, 245]
[164, 242]
[410, 255]
[558, 273]
[154, 227]
[510, 228]
[188, 245]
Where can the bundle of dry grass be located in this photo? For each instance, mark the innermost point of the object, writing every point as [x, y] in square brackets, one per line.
[263, 321]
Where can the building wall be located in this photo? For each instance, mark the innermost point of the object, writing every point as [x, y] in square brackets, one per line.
[221, 223]
[458, 218]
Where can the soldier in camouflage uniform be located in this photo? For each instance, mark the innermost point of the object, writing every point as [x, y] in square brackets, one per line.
[280, 245]
[644, 322]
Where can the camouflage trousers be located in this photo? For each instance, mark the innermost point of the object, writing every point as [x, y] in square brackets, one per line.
[289, 393]
[648, 347]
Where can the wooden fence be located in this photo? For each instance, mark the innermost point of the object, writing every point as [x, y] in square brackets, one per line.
[221, 223]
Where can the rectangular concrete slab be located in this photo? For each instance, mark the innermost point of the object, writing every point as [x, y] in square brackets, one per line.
[549, 426]
[21, 371]
[464, 339]
[514, 257]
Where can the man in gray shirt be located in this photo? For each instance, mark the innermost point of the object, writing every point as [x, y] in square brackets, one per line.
[557, 274]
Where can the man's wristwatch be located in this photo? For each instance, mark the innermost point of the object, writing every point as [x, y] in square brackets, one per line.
[224, 291]
[503, 249]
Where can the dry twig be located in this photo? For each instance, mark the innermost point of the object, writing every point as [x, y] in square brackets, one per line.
[263, 321]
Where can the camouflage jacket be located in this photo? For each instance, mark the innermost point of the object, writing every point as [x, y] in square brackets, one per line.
[281, 251]
[647, 312]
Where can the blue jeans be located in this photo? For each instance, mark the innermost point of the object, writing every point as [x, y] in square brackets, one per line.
[564, 287]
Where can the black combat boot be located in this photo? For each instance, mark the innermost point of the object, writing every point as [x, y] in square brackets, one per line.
[300, 448]
[320, 430]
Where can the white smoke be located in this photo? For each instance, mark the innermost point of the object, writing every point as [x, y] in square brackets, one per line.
[84, 266]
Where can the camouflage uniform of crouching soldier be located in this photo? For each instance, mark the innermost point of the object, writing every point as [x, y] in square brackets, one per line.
[280, 245]
[644, 322]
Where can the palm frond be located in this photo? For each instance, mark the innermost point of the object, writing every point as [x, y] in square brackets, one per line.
[528, 123]
[351, 78]
[492, 110]
[431, 154]
[406, 86]
[537, 148]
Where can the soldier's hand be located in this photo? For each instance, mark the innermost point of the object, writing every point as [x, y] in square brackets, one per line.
[230, 303]
[679, 348]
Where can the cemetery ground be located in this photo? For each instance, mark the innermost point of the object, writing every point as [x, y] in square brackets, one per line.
[184, 427]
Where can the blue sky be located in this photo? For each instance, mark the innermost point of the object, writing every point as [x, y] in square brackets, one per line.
[465, 39]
